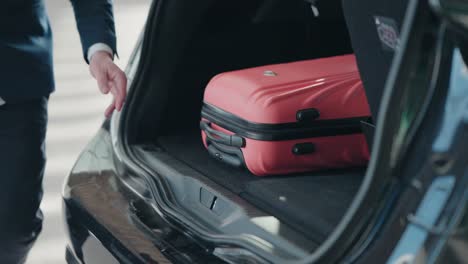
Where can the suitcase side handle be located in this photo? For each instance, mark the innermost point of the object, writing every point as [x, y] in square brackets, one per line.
[220, 137]
[230, 159]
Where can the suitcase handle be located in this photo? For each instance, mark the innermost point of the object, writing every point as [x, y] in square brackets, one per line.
[229, 159]
[220, 137]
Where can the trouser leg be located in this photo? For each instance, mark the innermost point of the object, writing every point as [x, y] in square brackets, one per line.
[22, 163]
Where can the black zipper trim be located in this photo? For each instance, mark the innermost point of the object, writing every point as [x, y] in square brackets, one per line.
[284, 131]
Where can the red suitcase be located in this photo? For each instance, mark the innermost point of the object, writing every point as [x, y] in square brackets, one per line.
[287, 118]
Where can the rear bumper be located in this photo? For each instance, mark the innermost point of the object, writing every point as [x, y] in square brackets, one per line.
[93, 239]
[110, 219]
[98, 211]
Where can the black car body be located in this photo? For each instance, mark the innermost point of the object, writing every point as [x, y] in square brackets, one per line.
[140, 192]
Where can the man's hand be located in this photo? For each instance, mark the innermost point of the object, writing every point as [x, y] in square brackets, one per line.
[110, 79]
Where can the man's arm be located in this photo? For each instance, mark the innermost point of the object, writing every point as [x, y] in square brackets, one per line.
[95, 21]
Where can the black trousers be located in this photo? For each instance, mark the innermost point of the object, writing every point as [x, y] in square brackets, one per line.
[22, 163]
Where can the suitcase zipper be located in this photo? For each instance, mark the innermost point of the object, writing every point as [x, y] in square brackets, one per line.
[285, 131]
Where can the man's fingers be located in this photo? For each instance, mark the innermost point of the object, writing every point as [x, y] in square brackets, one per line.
[110, 109]
[117, 94]
[119, 87]
[110, 79]
[120, 84]
[102, 81]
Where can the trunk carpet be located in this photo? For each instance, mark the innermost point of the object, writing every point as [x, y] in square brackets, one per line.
[312, 203]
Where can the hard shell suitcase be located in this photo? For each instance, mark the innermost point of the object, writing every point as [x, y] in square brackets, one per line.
[287, 118]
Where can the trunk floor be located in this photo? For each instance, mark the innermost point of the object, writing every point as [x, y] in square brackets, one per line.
[312, 203]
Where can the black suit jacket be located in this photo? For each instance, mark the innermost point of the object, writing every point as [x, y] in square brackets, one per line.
[26, 70]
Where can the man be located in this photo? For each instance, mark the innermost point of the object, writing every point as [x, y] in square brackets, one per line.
[26, 80]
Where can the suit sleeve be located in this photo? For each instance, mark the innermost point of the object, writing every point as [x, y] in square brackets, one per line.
[95, 21]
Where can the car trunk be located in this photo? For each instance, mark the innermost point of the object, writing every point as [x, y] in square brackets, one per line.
[169, 107]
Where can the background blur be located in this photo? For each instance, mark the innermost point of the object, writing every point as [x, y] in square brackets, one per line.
[76, 111]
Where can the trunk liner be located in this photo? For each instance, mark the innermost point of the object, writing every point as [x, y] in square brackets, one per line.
[312, 203]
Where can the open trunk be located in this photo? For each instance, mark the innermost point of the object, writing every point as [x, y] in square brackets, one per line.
[204, 40]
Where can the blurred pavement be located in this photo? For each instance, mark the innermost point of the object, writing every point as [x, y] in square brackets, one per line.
[75, 111]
